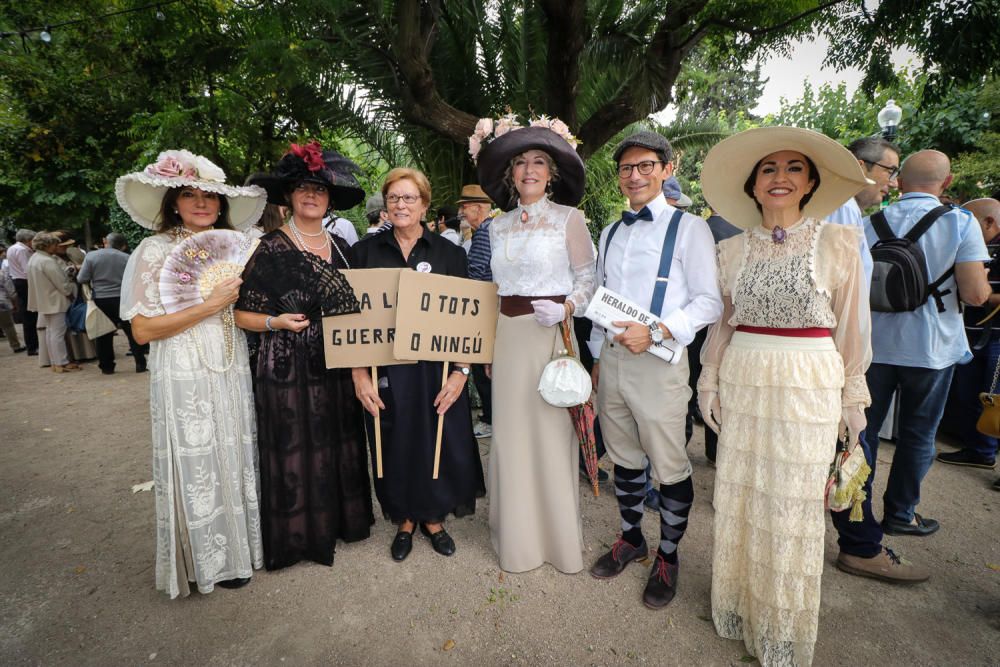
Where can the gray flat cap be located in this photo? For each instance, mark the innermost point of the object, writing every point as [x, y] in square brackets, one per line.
[645, 139]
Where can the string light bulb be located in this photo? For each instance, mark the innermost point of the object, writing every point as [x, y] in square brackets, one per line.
[45, 35]
[160, 16]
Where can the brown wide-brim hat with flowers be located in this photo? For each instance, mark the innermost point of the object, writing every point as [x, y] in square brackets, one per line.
[495, 157]
[731, 161]
[310, 163]
[140, 194]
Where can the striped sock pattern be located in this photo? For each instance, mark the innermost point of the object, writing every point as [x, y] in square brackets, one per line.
[675, 505]
[630, 488]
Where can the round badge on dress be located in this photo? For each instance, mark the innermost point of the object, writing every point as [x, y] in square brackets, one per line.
[424, 267]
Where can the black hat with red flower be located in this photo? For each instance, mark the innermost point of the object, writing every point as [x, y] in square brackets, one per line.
[310, 163]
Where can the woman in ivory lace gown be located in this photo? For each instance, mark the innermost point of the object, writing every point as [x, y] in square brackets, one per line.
[544, 266]
[783, 373]
[201, 403]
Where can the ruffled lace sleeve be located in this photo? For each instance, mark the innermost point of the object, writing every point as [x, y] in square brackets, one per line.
[730, 259]
[140, 285]
[583, 260]
[840, 272]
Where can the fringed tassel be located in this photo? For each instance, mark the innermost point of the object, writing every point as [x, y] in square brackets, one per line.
[856, 513]
[853, 492]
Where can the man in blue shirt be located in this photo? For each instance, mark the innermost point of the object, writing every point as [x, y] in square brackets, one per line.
[474, 205]
[914, 353]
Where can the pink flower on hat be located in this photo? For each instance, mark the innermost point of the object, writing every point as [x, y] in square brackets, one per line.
[475, 144]
[484, 128]
[173, 164]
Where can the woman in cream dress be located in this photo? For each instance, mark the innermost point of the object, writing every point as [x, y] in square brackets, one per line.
[783, 373]
[544, 265]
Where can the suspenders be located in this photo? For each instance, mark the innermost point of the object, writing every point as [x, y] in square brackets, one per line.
[666, 257]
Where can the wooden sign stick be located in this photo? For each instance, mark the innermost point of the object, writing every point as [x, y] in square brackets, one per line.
[378, 428]
[437, 442]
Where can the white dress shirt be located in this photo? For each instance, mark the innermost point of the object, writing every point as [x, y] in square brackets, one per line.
[850, 214]
[343, 228]
[17, 261]
[692, 300]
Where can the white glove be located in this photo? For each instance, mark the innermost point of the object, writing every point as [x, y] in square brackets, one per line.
[852, 423]
[548, 313]
[711, 409]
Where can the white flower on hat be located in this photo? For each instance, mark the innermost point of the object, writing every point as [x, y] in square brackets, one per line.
[487, 130]
[484, 128]
[208, 170]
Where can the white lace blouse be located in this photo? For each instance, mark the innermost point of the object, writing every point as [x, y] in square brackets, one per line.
[551, 254]
[814, 279]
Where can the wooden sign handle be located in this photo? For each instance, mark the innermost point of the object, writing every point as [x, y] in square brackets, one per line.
[378, 428]
[437, 441]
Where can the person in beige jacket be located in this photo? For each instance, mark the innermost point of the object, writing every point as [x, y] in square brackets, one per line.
[50, 292]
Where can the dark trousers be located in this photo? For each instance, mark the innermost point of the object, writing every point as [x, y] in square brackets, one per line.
[964, 408]
[29, 318]
[106, 343]
[694, 366]
[485, 388]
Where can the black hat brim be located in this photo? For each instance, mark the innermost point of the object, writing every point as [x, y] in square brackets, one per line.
[341, 197]
[496, 156]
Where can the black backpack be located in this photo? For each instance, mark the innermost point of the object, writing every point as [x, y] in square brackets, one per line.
[900, 282]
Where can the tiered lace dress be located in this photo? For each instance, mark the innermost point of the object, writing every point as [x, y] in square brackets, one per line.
[781, 400]
[534, 456]
[204, 440]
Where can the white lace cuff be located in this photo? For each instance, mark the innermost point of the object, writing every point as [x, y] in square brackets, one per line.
[709, 378]
[855, 391]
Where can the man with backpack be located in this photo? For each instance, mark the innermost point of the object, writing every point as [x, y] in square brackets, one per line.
[926, 257]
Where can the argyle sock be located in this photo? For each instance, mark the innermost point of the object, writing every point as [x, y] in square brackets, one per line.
[675, 505]
[630, 488]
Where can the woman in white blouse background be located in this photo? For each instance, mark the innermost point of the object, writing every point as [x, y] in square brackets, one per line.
[544, 265]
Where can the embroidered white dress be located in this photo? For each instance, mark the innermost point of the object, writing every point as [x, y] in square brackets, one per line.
[534, 455]
[204, 441]
[781, 400]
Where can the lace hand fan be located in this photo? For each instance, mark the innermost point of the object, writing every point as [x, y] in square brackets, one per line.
[299, 284]
[198, 264]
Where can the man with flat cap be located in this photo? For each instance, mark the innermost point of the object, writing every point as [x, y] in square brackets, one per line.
[663, 259]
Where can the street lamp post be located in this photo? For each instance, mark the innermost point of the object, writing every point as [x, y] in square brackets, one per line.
[888, 119]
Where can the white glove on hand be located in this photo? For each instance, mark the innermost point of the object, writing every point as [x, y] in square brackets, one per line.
[711, 409]
[548, 313]
[853, 423]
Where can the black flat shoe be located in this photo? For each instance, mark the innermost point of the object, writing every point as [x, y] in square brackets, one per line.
[921, 528]
[401, 546]
[234, 583]
[441, 540]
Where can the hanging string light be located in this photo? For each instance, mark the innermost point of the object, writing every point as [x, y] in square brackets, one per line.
[45, 31]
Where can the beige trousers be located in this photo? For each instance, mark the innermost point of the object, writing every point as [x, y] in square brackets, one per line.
[642, 402]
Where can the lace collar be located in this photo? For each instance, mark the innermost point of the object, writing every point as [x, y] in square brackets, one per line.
[761, 232]
[535, 209]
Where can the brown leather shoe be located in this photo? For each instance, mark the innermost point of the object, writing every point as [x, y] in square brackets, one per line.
[886, 566]
[612, 563]
[662, 584]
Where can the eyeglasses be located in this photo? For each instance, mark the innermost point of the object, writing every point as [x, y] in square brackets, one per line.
[893, 171]
[645, 168]
[408, 199]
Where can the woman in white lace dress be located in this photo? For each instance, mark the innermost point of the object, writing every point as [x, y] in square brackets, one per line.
[201, 403]
[783, 373]
[543, 263]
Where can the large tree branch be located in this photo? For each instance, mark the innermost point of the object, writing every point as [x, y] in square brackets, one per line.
[698, 33]
[422, 103]
[567, 36]
[650, 86]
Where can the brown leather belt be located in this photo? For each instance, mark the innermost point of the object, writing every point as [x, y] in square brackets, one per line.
[515, 306]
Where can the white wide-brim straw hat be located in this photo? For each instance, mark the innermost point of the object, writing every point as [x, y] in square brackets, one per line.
[730, 162]
[140, 194]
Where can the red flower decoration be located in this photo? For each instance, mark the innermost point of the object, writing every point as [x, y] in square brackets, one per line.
[311, 154]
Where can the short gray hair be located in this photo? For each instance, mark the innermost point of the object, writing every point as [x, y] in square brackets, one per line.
[871, 149]
[117, 241]
[24, 236]
[43, 240]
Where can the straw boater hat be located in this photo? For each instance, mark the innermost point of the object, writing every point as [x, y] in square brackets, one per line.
[311, 163]
[495, 156]
[731, 161]
[140, 194]
[473, 194]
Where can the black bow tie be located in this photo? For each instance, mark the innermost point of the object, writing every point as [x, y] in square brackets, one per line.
[628, 217]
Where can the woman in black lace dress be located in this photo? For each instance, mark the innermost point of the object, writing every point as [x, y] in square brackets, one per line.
[313, 461]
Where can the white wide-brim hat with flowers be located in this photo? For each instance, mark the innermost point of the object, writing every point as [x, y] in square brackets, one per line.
[140, 194]
[730, 162]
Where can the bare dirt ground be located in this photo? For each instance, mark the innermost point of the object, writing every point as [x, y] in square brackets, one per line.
[77, 587]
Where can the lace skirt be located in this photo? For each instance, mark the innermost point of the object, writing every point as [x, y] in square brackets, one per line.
[780, 408]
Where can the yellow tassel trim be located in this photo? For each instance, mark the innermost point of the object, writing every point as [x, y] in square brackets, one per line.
[853, 493]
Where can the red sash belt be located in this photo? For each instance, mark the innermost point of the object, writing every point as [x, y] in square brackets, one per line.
[807, 332]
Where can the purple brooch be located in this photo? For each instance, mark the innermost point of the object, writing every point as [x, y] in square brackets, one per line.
[778, 234]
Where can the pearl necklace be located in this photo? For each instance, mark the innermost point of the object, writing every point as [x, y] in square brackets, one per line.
[327, 244]
[229, 338]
